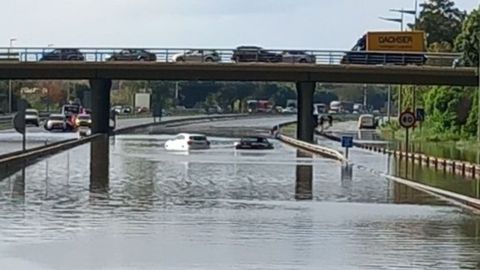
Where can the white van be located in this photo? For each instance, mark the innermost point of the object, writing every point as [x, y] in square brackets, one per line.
[366, 121]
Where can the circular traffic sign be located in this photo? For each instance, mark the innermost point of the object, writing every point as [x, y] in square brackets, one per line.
[407, 119]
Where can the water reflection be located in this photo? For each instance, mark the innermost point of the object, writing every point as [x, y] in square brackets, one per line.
[436, 178]
[346, 175]
[99, 165]
[223, 210]
[18, 189]
[442, 150]
[403, 194]
[304, 175]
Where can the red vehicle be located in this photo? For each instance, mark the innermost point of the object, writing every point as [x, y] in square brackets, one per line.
[259, 106]
[71, 112]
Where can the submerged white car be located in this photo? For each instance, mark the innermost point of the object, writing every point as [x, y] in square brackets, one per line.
[186, 141]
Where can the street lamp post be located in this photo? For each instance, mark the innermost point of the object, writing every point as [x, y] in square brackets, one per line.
[365, 96]
[413, 12]
[478, 108]
[401, 20]
[389, 101]
[10, 81]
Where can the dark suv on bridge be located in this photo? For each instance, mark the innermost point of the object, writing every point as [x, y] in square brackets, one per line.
[63, 55]
[255, 54]
[133, 55]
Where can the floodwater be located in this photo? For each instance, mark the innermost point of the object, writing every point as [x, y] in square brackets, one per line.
[449, 150]
[145, 208]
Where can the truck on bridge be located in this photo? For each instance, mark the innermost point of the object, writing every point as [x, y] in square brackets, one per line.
[388, 48]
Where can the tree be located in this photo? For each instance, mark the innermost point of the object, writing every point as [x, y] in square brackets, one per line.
[56, 93]
[468, 42]
[447, 108]
[441, 20]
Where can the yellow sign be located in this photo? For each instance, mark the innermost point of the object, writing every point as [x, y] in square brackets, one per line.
[396, 41]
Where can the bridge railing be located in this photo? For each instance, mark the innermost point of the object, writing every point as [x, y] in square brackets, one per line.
[219, 55]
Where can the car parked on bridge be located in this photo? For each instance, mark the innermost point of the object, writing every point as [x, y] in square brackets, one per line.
[253, 143]
[133, 55]
[32, 117]
[186, 141]
[63, 55]
[56, 122]
[298, 57]
[201, 56]
[255, 54]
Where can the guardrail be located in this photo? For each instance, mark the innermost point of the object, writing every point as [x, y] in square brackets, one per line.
[44, 150]
[458, 167]
[126, 130]
[7, 120]
[222, 55]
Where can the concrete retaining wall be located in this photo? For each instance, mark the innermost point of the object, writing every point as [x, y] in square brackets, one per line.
[314, 148]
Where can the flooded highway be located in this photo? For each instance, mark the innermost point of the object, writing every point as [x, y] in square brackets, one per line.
[387, 164]
[221, 209]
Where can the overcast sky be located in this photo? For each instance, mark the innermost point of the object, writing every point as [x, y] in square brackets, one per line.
[315, 24]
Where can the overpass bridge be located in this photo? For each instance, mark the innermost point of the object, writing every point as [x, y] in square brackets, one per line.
[98, 66]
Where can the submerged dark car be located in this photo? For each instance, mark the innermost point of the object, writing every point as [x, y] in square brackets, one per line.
[133, 55]
[63, 55]
[258, 143]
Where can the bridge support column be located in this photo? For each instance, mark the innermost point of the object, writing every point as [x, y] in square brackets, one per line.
[100, 105]
[305, 120]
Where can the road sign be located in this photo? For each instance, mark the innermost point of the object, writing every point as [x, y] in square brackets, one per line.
[19, 122]
[19, 118]
[420, 114]
[347, 141]
[407, 119]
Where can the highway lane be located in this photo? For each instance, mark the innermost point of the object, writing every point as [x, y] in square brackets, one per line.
[223, 209]
[255, 125]
[11, 141]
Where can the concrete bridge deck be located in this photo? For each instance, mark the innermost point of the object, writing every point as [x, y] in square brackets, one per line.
[418, 75]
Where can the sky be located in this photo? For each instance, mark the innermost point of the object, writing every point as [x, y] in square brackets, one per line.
[282, 24]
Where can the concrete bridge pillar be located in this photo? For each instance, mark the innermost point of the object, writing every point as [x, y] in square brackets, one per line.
[100, 105]
[305, 120]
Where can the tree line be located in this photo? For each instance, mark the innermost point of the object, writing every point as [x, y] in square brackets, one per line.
[451, 111]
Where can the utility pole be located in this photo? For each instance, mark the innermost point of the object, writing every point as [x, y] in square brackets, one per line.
[478, 108]
[10, 81]
[365, 96]
[401, 21]
[176, 94]
[413, 12]
[389, 102]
